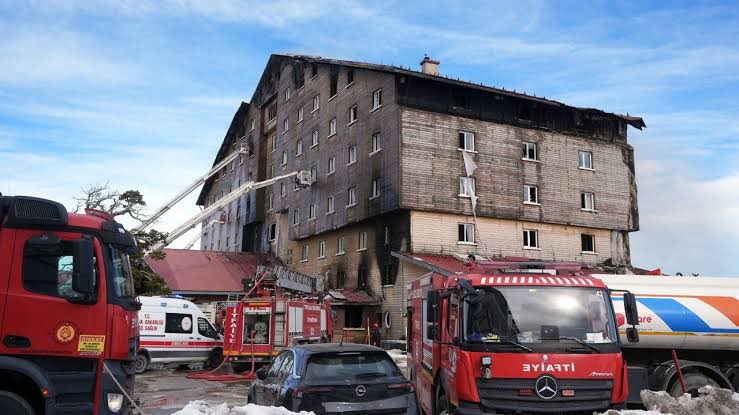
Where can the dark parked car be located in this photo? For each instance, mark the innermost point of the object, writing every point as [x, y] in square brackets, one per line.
[331, 378]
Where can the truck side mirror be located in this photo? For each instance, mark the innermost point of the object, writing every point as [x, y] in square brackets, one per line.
[432, 305]
[83, 276]
[632, 335]
[632, 314]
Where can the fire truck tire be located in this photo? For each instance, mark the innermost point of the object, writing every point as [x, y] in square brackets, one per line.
[141, 363]
[693, 381]
[215, 358]
[12, 404]
[240, 367]
[442, 404]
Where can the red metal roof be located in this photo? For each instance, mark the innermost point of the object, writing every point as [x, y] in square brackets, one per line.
[208, 271]
[353, 297]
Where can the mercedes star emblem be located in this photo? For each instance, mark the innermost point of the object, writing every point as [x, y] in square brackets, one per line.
[361, 390]
[546, 387]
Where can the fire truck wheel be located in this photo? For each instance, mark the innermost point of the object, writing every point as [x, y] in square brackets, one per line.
[215, 358]
[141, 363]
[240, 367]
[442, 404]
[12, 404]
[693, 381]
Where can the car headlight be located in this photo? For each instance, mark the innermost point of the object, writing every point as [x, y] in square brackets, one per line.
[115, 401]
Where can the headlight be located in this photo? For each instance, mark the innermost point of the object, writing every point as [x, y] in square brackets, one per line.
[486, 361]
[115, 401]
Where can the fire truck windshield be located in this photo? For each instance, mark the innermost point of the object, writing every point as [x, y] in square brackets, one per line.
[540, 317]
[122, 278]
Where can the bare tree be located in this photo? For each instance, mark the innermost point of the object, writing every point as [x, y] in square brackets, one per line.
[102, 197]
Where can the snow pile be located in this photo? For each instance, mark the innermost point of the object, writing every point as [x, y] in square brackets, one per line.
[712, 401]
[400, 357]
[203, 408]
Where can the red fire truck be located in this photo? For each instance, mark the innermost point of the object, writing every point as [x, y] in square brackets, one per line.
[483, 342]
[68, 322]
[280, 310]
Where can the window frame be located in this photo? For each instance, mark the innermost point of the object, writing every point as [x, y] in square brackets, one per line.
[362, 241]
[331, 165]
[527, 239]
[315, 139]
[300, 115]
[353, 114]
[352, 196]
[594, 251]
[321, 249]
[304, 253]
[296, 217]
[332, 127]
[463, 187]
[377, 99]
[352, 154]
[462, 230]
[316, 103]
[376, 188]
[298, 148]
[527, 146]
[376, 143]
[463, 140]
[580, 163]
[330, 204]
[340, 246]
[585, 198]
[527, 188]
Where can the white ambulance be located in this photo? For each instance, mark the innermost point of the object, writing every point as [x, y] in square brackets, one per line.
[174, 330]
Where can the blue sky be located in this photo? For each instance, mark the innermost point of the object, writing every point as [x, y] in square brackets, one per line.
[140, 94]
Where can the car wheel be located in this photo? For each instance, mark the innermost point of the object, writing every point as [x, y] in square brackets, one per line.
[12, 404]
[141, 363]
[442, 404]
[693, 381]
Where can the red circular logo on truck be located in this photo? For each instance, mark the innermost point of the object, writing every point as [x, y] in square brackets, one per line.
[64, 332]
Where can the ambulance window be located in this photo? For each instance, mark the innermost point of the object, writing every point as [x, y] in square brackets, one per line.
[205, 329]
[178, 323]
[48, 267]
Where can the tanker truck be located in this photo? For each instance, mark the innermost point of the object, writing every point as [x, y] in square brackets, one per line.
[697, 317]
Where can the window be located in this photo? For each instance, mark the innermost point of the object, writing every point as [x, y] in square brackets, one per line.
[251, 146]
[253, 124]
[300, 115]
[272, 170]
[466, 186]
[296, 216]
[466, 233]
[314, 138]
[588, 243]
[205, 329]
[331, 164]
[462, 101]
[272, 112]
[241, 160]
[48, 267]
[352, 156]
[375, 188]
[388, 274]
[282, 189]
[285, 125]
[377, 99]
[467, 141]
[177, 323]
[316, 103]
[270, 201]
[330, 206]
[332, 127]
[585, 160]
[272, 143]
[530, 239]
[349, 77]
[362, 277]
[287, 94]
[362, 241]
[322, 249]
[314, 174]
[299, 148]
[340, 245]
[304, 254]
[376, 143]
[312, 211]
[284, 157]
[352, 196]
[388, 234]
[233, 165]
[334, 85]
[313, 70]
[530, 194]
[587, 201]
[529, 151]
[340, 280]
[272, 231]
[352, 114]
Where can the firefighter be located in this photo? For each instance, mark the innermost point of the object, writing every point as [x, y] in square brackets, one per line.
[375, 336]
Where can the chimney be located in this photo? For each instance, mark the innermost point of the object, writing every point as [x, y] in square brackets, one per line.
[430, 66]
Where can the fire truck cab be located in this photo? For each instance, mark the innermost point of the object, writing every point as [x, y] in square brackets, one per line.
[510, 343]
[68, 322]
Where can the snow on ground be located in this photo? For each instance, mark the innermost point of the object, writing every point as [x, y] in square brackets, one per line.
[203, 408]
[400, 357]
[712, 401]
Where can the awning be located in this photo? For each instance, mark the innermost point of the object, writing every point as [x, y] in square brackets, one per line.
[352, 297]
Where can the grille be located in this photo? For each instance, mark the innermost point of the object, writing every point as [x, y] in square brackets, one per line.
[502, 395]
[34, 211]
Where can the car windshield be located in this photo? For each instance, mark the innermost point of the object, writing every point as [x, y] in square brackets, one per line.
[527, 315]
[350, 366]
[122, 279]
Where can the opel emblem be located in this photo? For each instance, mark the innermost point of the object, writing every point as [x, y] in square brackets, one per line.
[546, 387]
[361, 390]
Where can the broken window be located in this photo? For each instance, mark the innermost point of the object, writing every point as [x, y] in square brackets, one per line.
[588, 243]
[462, 101]
[313, 70]
[388, 274]
[530, 194]
[353, 316]
[272, 112]
[272, 231]
[349, 77]
[467, 141]
[585, 160]
[334, 85]
[530, 151]
[466, 186]
[362, 278]
[466, 233]
[587, 201]
[340, 280]
[530, 238]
